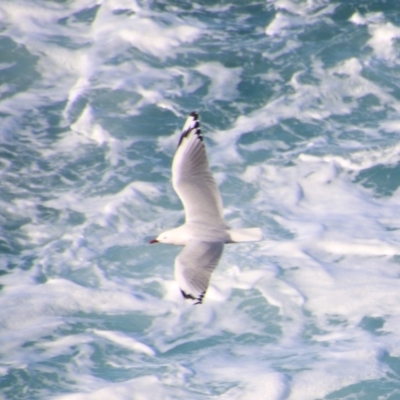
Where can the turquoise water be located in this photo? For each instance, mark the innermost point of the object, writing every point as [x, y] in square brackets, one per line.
[299, 103]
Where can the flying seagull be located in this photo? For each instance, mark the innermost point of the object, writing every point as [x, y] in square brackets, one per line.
[204, 232]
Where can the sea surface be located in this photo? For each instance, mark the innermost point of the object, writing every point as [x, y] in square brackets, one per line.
[299, 102]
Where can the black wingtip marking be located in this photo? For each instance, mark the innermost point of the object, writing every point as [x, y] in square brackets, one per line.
[189, 296]
[200, 298]
[196, 127]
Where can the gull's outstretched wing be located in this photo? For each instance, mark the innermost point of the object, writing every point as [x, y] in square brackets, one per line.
[192, 179]
[194, 266]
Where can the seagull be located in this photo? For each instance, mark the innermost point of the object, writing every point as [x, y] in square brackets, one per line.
[204, 232]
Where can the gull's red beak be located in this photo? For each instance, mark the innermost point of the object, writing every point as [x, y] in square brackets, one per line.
[153, 241]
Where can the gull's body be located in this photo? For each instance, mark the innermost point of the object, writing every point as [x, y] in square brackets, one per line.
[205, 231]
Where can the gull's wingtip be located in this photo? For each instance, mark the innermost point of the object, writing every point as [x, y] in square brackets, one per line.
[191, 297]
[192, 123]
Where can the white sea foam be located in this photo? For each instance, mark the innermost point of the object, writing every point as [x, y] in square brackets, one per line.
[279, 23]
[382, 40]
[135, 389]
[370, 17]
[125, 341]
[292, 15]
[383, 34]
[253, 384]
[224, 81]
[330, 374]
[159, 41]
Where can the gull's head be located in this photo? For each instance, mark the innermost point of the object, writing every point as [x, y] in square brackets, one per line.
[172, 236]
[164, 237]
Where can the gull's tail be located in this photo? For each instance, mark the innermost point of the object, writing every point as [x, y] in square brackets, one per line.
[245, 235]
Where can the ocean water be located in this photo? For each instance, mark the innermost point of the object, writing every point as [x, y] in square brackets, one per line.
[300, 108]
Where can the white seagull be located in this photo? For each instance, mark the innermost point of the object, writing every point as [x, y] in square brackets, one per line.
[204, 232]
